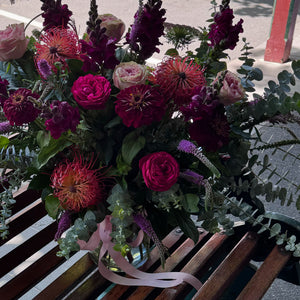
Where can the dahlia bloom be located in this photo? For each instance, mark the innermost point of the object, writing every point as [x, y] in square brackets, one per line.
[147, 28]
[63, 118]
[19, 108]
[177, 79]
[3, 91]
[55, 14]
[76, 184]
[222, 32]
[57, 45]
[140, 105]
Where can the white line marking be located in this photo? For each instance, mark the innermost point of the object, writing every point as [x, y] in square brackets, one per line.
[20, 18]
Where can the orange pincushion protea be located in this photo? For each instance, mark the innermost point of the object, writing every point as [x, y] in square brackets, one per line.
[76, 185]
[177, 79]
[57, 45]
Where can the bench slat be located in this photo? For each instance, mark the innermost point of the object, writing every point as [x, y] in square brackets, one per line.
[228, 269]
[265, 275]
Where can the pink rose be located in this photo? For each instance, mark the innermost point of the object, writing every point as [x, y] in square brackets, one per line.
[231, 90]
[160, 171]
[114, 26]
[91, 91]
[13, 42]
[128, 74]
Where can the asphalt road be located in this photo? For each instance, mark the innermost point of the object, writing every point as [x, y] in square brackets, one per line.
[257, 17]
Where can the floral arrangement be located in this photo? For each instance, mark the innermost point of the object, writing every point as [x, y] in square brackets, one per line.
[105, 136]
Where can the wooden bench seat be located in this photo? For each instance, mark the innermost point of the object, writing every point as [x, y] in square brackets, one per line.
[30, 268]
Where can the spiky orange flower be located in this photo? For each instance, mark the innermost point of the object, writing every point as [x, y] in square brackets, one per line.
[177, 78]
[57, 45]
[76, 184]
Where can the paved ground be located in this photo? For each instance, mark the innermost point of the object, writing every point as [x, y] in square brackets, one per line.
[257, 17]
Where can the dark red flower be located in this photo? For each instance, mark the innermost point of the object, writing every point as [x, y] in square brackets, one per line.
[140, 105]
[63, 118]
[55, 14]
[160, 171]
[177, 79]
[3, 90]
[222, 32]
[147, 28]
[19, 108]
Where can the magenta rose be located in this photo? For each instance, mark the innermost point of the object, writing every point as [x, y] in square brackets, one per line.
[91, 91]
[231, 90]
[13, 42]
[160, 171]
[129, 74]
[114, 26]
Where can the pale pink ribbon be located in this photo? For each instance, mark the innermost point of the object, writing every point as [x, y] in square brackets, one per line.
[160, 280]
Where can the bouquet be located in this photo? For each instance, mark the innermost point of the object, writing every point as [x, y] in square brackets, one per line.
[119, 146]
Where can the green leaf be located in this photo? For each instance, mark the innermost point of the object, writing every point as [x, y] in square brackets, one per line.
[190, 203]
[49, 151]
[43, 138]
[131, 146]
[296, 68]
[186, 225]
[52, 205]
[4, 142]
[172, 52]
[39, 182]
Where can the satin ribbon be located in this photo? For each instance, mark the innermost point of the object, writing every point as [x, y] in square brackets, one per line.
[160, 280]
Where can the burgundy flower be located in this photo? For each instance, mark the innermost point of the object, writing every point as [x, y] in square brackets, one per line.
[209, 126]
[19, 108]
[3, 90]
[140, 105]
[91, 91]
[147, 28]
[55, 14]
[99, 50]
[222, 32]
[160, 171]
[64, 117]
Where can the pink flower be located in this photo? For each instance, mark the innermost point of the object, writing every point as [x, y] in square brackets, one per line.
[128, 74]
[91, 91]
[13, 42]
[160, 171]
[231, 90]
[140, 105]
[114, 26]
[19, 108]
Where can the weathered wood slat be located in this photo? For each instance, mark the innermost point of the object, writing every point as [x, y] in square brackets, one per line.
[228, 269]
[265, 275]
[196, 263]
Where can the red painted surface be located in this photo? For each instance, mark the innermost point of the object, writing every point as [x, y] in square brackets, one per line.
[279, 44]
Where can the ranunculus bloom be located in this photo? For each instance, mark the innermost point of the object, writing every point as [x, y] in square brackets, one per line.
[160, 171]
[13, 42]
[63, 118]
[231, 90]
[128, 74]
[19, 108]
[91, 91]
[114, 26]
[140, 105]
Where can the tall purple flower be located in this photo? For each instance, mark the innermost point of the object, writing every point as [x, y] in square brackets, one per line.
[99, 50]
[222, 32]
[55, 14]
[147, 28]
[63, 118]
[3, 90]
[5, 127]
[63, 224]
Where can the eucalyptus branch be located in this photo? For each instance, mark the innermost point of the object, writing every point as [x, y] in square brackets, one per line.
[276, 144]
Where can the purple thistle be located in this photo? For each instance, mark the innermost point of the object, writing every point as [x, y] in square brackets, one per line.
[5, 127]
[63, 224]
[189, 147]
[192, 177]
[44, 68]
[146, 226]
[147, 28]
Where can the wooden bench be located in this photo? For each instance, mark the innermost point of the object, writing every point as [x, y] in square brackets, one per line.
[30, 268]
